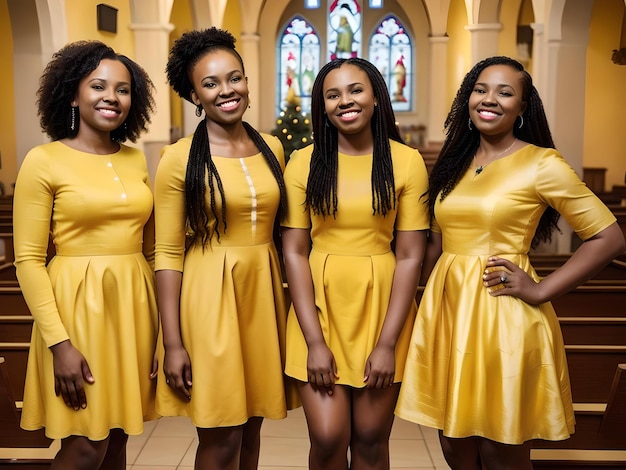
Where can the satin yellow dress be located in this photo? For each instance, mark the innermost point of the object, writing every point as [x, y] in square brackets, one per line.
[352, 263]
[98, 291]
[488, 366]
[232, 304]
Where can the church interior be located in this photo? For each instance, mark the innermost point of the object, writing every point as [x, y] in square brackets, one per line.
[575, 50]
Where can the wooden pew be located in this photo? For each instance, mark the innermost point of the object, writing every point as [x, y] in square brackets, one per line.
[593, 322]
[11, 435]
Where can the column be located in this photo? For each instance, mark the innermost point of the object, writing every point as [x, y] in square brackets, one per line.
[485, 37]
[250, 53]
[151, 52]
[438, 106]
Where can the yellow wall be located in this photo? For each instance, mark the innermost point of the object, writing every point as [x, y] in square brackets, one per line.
[459, 52]
[182, 20]
[7, 123]
[605, 87]
[231, 20]
[82, 23]
[509, 15]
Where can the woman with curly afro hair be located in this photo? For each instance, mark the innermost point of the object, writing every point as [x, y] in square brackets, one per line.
[487, 363]
[90, 365]
[219, 196]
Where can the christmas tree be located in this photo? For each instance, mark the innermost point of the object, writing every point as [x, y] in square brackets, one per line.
[293, 127]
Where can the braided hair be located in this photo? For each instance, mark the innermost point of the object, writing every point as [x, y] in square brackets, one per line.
[461, 143]
[59, 84]
[321, 192]
[184, 55]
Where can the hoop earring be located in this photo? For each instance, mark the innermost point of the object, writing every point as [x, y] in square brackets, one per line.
[469, 124]
[199, 110]
[73, 118]
[521, 121]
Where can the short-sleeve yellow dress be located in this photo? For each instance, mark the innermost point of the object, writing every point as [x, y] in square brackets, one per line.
[352, 262]
[232, 304]
[488, 366]
[98, 290]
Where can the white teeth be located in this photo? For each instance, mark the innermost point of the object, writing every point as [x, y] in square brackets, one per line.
[107, 111]
[350, 114]
[488, 113]
[228, 104]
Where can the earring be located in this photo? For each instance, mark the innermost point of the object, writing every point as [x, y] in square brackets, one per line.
[521, 121]
[199, 110]
[73, 118]
[469, 124]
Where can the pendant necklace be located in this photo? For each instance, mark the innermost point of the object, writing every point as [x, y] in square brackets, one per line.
[479, 169]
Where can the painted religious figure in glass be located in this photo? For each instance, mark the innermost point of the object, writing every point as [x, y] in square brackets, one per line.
[299, 62]
[344, 29]
[390, 50]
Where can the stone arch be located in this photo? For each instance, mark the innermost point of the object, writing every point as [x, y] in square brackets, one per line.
[33, 44]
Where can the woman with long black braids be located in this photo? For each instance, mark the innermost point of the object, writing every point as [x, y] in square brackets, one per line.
[487, 364]
[219, 194]
[350, 194]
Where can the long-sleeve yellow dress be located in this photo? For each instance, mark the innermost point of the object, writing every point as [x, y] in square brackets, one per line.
[98, 290]
[232, 304]
[488, 366]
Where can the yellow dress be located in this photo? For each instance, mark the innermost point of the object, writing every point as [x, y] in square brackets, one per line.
[232, 305]
[98, 290]
[351, 260]
[495, 366]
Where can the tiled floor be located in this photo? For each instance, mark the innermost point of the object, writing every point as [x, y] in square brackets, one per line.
[170, 444]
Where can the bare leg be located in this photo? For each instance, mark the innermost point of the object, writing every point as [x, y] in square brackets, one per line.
[496, 455]
[251, 444]
[219, 448]
[115, 457]
[328, 420]
[372, 419]
[79, 453]
[461, 454]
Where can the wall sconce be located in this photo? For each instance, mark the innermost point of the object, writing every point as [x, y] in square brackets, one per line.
[107, 18]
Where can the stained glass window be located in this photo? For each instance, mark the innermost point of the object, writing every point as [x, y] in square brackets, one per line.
[299, 61]
[390, 50]
[300, 53]
[344, 29]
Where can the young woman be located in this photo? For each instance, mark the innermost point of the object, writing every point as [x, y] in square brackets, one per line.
[219, 280]
[93, 341]
[487, 364]
[350, 195]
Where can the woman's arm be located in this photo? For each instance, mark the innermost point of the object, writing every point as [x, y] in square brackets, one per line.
[33, 204]
[176, 365]
[594, 254]
[433, 252]
[380, 367]
[322, 371]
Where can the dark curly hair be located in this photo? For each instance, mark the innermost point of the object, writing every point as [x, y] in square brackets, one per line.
[461, 143]
[184, 55]
[321, 192]
[59, 84]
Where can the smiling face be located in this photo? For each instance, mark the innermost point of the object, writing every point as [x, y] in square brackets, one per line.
[220, 86]
[349, 101]
[497, 100]
[103, 97]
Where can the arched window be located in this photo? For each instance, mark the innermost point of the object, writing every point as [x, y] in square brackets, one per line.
[344, 29]
[300, 52]
[298, 63]
[390, 50]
